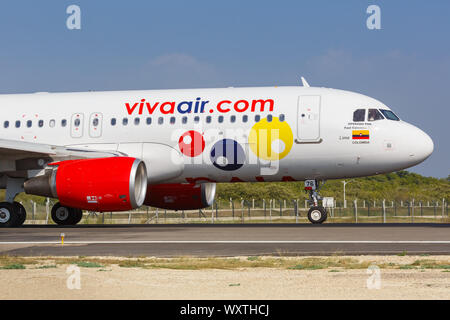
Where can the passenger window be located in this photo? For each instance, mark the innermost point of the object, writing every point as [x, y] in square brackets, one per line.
[172, 120]
[17, 124]
[389, 115]
[6, 124]
[281, 117]
[208, 119]
[196, 119]
[220, 119]
[125, 121]
[29, 123]
[184, 120]
[269, 118]
[359, 115]
[233, 119]
[257, 118]
[76, 122]
[149, 121]
[160, 120]
[41, 123]
[95, 122]
[113, 121]
[52, 123]
[245, 118]
[374, 115]
[137, 121]
[63, 122]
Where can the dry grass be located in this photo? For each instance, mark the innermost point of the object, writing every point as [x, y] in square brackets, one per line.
[334, 262]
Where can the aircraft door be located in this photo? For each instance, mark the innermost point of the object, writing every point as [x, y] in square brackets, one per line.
[308, 119]
[76, 125]
[95, 125]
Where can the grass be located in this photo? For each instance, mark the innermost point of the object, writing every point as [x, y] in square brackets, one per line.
[13, 266]
[87, 264]
[47, 266]
[334, 263]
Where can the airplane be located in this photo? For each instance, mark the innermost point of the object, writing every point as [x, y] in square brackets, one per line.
[119, 150]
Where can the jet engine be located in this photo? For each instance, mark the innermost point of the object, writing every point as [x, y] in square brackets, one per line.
[102, 184]
[181, 196]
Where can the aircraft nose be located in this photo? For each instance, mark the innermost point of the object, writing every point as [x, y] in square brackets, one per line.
[422, 145]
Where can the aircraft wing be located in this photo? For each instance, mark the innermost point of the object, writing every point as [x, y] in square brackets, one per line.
[15, 154]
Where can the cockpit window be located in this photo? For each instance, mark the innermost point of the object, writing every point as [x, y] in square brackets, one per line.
[390, 115]
[359, 115]
[374, 115]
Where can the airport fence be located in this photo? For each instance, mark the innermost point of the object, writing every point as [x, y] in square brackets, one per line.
[262, 211]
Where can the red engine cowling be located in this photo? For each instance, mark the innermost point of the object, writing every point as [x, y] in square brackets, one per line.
[180, 196]
[102, 184]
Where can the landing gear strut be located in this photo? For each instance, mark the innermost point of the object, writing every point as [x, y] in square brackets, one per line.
[66, 216]
[317, 213]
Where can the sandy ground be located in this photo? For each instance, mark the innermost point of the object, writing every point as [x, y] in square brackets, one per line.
[114, 282]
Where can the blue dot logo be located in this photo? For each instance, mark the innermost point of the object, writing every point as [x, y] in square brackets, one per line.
[228, 155]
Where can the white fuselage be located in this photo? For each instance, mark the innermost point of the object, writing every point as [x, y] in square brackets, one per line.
[303, 132]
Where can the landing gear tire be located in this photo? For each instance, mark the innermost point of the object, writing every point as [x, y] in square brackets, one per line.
[10, 215]
[317, 215]
[21, 211]
[77, 215]
[66, 216]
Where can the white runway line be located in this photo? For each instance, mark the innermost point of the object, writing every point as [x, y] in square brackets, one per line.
[235, 242]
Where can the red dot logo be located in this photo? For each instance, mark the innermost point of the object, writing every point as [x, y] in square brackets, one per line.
[191, 143]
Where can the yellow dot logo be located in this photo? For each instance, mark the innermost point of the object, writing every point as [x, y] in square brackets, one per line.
[271, 140]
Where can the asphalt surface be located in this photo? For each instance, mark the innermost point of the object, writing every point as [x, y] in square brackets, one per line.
[226, 240]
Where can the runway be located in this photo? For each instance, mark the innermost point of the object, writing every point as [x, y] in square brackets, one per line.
[226, 240]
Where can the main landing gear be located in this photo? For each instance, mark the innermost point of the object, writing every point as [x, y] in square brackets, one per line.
[317, 213]
[66, 216]
[12, 214]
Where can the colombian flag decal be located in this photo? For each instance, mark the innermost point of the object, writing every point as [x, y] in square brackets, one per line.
[360, 134]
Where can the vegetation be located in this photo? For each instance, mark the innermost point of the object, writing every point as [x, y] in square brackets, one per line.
[399, 186]
[333, 263]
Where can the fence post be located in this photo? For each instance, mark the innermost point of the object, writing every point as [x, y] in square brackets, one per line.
[355, 205]
[264, 208]
[443, 207]
[232, 209]
[47, 210]
[384, 211]
[281, 208]
[296, 210]
[34, 210]
[270, 210]
[217, 210]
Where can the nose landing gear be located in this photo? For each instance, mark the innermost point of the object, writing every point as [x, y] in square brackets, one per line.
[317, 214]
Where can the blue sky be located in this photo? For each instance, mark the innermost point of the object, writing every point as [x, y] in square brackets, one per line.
[187, 44]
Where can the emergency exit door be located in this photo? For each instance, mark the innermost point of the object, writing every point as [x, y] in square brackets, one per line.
[308, 119]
